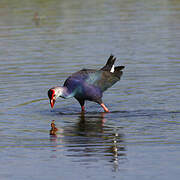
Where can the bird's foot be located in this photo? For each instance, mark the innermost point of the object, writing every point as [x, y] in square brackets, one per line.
[104, 107]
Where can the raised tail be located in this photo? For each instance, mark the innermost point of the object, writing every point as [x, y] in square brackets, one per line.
[118, 68]
[110, 64]
[117, 71]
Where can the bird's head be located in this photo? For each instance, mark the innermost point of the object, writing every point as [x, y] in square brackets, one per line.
[54, 93]
[52, 96]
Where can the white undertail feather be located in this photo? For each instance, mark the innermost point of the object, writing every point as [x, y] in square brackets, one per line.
[112, 69]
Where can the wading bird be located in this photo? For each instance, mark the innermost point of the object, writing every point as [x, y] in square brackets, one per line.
[88, 84]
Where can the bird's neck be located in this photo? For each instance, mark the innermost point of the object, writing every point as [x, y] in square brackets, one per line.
[63, 92]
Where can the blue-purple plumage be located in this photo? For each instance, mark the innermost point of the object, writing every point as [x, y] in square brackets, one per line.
[82, 85]
[89, 84]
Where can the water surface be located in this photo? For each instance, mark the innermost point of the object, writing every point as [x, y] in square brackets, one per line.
[139, 139]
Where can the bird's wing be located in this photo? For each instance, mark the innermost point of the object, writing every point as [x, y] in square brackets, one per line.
[99, 78]
[106, 80]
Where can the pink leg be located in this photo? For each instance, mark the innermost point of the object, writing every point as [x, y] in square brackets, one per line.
[82, 108]
[104, 107]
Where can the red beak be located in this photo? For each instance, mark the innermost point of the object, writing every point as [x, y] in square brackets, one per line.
[52, 102]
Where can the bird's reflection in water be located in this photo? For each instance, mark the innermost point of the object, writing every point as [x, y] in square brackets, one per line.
[89, 125]
[116, 150]
[91, 139]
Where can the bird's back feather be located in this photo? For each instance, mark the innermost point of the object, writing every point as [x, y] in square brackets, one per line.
[99, 78]
[94, 82]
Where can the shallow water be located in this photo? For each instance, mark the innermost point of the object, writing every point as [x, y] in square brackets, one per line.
[139, 139]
